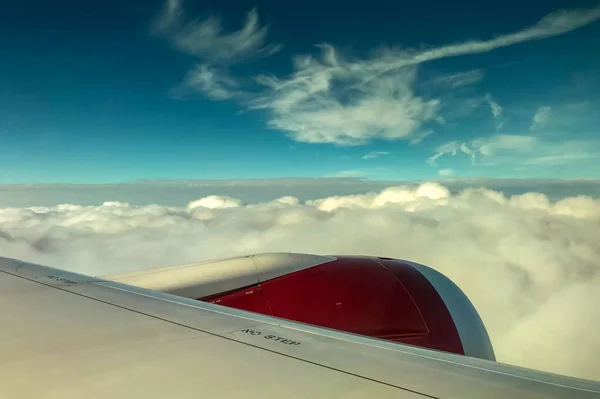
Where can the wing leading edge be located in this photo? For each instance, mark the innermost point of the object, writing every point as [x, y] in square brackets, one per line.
[67, 335]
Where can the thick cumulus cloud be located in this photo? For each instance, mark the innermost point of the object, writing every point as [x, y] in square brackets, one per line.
[530, 265]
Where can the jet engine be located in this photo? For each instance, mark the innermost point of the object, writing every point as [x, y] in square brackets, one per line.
[384, 298]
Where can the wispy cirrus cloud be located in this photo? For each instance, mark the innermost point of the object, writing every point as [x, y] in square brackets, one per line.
[420, 136]
[520, 150]
[497, 111]
[564, 152]
[215, 83]
[445, 172]
[485, 146]
[541, 117]
[460, 79]
[333, 98]
[375, 154]
[347, 173]
[559, 159]
[553, 24]
[217, 50]
[494, 106]
[206, 39]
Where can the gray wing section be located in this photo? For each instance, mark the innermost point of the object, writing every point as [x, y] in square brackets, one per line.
[66, 335]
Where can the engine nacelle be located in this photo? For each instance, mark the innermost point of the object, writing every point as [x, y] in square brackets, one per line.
[384, 298]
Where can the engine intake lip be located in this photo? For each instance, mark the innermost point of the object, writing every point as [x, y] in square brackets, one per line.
[473, 334]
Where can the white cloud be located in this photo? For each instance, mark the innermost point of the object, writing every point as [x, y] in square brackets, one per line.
[541, 117]
[496, 111]
[179, 193]
[445, 172]
[420, 136]
[488, 145]
[559, 159]
[375, 154]
[333, 99]
[347, 173]
[205, 39]
[213, 82]
[520, 150]
[460, 79]
[169, 17]
[485, 146]
[494, 106]
[529, 264]
[563, 152]
[215, 202]
[553, 24]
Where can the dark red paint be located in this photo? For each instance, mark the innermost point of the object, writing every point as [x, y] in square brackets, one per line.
[443, 334]
[248, 298]
[377, 297]
[354, 295]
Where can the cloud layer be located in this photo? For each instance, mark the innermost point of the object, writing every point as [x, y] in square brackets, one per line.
[530, 265]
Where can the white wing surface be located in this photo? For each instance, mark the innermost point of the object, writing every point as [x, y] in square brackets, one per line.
[65, 335]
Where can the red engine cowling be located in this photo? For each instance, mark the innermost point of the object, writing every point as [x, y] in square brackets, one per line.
[383, 298]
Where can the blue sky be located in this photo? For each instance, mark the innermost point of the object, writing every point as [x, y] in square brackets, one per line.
[112, 91]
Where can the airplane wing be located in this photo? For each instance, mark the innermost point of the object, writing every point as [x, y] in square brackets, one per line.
[67, 335]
